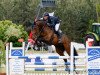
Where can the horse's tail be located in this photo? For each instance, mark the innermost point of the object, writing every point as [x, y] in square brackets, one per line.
[75, 52]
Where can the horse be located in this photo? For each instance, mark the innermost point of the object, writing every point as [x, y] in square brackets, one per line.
[46, 34]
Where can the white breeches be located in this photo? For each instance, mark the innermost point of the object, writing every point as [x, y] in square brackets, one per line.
[57, 26]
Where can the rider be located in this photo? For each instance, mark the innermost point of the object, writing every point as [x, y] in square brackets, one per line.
[53, 22]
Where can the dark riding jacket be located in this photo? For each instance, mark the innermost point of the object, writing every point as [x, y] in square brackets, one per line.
[52, 21]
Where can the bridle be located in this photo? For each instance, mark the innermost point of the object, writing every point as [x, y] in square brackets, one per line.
[38, 35]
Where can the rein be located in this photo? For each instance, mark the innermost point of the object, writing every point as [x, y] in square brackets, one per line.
[40, 32]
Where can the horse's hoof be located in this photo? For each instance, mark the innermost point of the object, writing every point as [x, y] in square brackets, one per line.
[76, 72]
[53, 51]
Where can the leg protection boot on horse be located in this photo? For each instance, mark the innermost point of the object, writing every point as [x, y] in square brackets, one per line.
[59, 34]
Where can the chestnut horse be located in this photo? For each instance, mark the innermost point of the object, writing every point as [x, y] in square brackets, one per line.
[47, 35]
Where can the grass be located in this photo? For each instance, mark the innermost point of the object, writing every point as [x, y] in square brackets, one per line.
[34, 51]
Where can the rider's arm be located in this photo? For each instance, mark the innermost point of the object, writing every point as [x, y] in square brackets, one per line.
[57, 20]
[53, 22]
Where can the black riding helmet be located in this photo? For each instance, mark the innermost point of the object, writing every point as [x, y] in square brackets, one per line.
[46, 14]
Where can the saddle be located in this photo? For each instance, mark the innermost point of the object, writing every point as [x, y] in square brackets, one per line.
[58, 33]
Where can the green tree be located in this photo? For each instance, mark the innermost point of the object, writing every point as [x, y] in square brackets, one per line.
[98, 12]
[9, 29]
[76, 15]
[2, 53]
[9, 32]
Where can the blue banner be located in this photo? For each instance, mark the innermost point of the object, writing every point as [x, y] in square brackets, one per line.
[93, 71]
[93, 61]
[93, 51]
[17, 52]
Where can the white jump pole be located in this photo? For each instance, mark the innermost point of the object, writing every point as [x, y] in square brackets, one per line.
[72, 58]
[7, 59]
[28, 46]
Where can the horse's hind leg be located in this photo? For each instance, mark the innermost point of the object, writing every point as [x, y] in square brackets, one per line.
[67, 48]
[61, 53]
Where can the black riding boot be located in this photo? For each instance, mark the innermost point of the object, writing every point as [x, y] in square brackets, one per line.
[59, 34]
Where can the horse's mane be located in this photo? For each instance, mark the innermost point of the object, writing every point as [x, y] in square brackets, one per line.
[42, 26]
[40, 23]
